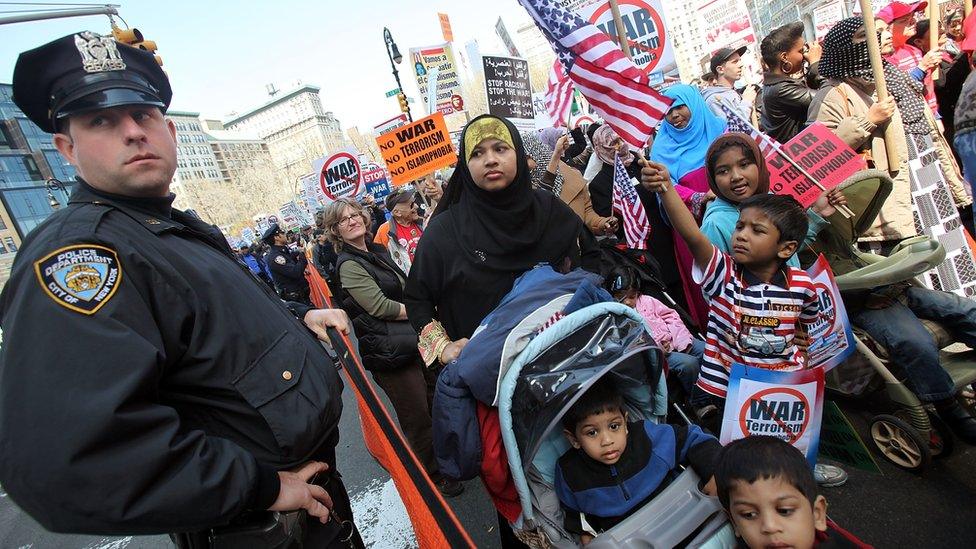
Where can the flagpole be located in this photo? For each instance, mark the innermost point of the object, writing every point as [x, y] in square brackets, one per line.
[967, 8]
[569, 111]
[880, 86]
[934, 19]
[618, 23]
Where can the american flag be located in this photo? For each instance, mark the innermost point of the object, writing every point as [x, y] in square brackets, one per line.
[620, 92]
[767, 145]
[628, 205]
[559, 94]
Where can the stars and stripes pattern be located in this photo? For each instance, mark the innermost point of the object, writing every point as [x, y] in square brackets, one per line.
[559, 94]
[767, 145]
[617, 90]
[627, 204]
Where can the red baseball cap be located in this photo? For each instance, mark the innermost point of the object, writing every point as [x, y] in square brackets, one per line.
[897, 10]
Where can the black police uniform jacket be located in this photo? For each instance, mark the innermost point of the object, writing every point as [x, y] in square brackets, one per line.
[287, 269]
[148, 382]
[383, 344]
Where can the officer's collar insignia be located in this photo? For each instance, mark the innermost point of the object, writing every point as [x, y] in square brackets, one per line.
[98, 53]
[280, 259]
[153, 221]
[82, 277]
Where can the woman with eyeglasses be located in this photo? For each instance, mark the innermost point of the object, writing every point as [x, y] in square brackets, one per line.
[371, 291]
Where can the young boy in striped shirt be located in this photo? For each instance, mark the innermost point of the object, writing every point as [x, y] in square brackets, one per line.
[757, 303]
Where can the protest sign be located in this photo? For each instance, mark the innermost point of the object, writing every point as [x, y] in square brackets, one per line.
[786, 405]
[727, 25]
[390, 125]
[290, 218]
[509, 90]
[831, 337]
[647, 34]
[841, 443]
[825, 16]
[247, 235]
[340, 176]
[506, 39]
[377, 183]
[822, 155]
[448, 94]
[417, 149]
[541, 114]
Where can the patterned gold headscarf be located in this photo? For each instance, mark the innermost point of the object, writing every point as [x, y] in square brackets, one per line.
[488, 127]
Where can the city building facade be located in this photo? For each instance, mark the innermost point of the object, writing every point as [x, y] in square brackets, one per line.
[28, 160]
[295, 126]
[686, 37]
[194, 158]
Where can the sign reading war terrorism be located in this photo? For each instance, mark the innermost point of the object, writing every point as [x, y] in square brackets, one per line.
[509, 90]
[822, 155]
[786, 405]
[647, 34]
[340, 176]
[417, 149]
[831, 337]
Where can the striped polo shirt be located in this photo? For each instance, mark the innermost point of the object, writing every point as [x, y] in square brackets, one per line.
[750, 321]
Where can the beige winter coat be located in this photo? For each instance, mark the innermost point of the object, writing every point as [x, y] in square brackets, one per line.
[843, 108]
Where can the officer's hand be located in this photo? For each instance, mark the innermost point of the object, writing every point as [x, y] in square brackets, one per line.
[319, 320]
[296, 493]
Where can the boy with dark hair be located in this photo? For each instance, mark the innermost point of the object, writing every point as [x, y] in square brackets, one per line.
[768, 490]
[615, 467]
[757, 302]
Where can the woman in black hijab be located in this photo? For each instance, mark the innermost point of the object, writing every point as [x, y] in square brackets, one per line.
[489, 228]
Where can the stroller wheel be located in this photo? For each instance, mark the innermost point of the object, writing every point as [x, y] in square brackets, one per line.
[899, 443]
[941, 441]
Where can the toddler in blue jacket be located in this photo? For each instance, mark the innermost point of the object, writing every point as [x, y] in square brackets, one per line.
[615, 467]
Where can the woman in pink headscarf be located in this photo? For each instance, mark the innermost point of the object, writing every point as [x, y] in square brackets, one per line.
[675, 265]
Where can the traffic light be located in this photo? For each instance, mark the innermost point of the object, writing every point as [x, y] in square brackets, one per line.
[135, 39]
[404, 107]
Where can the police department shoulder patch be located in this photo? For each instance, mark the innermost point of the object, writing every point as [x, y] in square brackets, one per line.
[82, 277]
[280, 260]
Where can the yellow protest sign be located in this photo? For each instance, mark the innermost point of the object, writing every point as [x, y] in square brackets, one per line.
[417, 149]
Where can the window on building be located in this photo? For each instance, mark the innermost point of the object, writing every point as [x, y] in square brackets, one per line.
[11, 244]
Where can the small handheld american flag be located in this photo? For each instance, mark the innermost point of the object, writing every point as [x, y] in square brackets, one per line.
[767, 145]
[628, 205]
[559, 94]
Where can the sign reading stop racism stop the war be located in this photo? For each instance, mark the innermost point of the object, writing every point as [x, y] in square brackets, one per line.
[341, 176]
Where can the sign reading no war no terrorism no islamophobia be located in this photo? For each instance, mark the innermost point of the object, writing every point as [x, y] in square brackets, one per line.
[417, 149]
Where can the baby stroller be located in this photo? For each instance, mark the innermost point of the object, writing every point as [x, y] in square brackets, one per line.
[907, 433]
[539, 387]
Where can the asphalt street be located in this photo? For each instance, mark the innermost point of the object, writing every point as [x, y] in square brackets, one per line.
[896, 509]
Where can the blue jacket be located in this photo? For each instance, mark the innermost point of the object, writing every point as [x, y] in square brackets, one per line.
[536, 296]
[722, 215]
[256, 265]
[607, 494]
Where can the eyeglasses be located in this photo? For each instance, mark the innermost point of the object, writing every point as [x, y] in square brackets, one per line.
[345, 220]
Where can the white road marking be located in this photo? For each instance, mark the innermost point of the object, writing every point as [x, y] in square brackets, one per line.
[381, 517]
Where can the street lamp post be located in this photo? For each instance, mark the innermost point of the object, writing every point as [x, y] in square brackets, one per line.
[53, 184]
[395, 58]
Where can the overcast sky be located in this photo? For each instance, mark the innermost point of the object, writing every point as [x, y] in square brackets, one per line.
[220, 54]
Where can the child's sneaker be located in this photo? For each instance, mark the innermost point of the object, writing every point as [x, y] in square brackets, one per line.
[829, 476]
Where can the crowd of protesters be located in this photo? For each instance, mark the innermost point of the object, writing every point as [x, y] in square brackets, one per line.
[420, 271]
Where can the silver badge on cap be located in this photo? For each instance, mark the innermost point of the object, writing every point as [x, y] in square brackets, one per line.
[98, 53]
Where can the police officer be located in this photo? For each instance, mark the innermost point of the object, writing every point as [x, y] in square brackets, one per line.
[287, 266]
[148, 382]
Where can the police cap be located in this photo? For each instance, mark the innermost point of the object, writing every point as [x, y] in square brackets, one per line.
[86, 71]
[268, 236]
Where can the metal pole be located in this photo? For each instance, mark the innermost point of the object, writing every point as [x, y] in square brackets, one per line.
[108, 9]
[934, 18]
[967, 8]
[388, 41]
[880, 86]
[618, 23]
